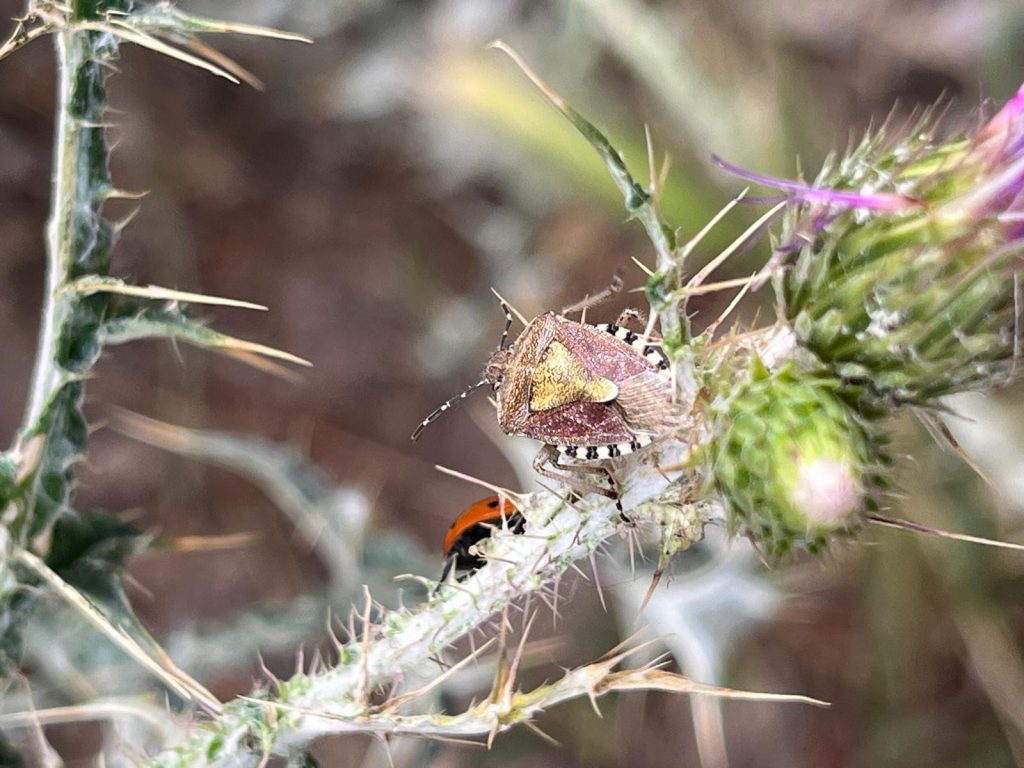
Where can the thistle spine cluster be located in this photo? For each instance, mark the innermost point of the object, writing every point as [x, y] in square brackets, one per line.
[910, 292]
[898, 272]
[796, 463]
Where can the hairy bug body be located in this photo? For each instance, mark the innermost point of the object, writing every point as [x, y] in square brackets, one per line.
[590, 393]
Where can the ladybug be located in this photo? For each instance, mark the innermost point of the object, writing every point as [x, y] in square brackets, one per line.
[589, 393]
[475, 523]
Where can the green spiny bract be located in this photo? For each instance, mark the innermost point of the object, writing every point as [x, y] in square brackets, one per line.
[795, 464]
[901, 263]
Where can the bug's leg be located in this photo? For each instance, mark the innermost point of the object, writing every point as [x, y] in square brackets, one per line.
[617, 496]
[572, 474]
[449, 563]
[547, 457]
[592, 301]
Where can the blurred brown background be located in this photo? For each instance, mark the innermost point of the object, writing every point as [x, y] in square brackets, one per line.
[386, 179]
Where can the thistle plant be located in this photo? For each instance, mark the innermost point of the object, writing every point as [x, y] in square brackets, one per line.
[897, 277]
[899, 271]
[784, 449]
[899, 268]
[44, 538]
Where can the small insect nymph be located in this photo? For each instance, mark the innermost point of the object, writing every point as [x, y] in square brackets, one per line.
[590, 393]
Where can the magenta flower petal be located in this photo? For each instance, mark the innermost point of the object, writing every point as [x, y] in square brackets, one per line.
[1004, 121]
[874, 201]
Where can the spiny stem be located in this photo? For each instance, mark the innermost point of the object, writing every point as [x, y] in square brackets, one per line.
[639, 203]
[78, 241]
[46, 376]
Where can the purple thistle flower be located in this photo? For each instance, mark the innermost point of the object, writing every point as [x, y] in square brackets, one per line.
[899, 266]
[806, 193]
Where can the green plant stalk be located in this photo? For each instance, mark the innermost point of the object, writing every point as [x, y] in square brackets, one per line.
[78, 242]
[47, 377]
[83, 308]
[640, 204]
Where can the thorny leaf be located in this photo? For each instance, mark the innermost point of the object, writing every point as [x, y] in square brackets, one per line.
[166, 18]
[89, 551]
[145, 320]
[496, 715]
[662, 680]
[84, 307]
[143, 25]
[90, 284]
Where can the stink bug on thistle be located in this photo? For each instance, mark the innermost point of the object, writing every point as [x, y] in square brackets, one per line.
[590, 393]
[474, 524]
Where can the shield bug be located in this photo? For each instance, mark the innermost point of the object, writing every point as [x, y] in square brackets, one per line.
[590, 393]
[475, 523]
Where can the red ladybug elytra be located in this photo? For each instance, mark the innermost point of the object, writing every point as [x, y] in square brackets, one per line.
[475, 523]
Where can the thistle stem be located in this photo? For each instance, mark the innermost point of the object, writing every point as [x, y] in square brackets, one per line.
[47, 375]
[397, 643]
[640, 203]
[78, 241]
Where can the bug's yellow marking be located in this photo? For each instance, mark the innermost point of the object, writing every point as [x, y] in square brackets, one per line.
[560, 378]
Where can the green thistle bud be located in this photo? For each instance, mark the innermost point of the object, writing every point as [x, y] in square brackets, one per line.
[900, 264]
[794, 463]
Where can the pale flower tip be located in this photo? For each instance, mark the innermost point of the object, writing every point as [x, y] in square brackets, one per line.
[826, 492]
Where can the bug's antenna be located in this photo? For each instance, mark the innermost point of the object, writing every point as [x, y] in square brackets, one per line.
[502, 343]
[445, 406]
[508, 306]
[508, 325]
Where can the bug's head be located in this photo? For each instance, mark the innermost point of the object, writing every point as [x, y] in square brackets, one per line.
[494, 373]
[497, 364]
